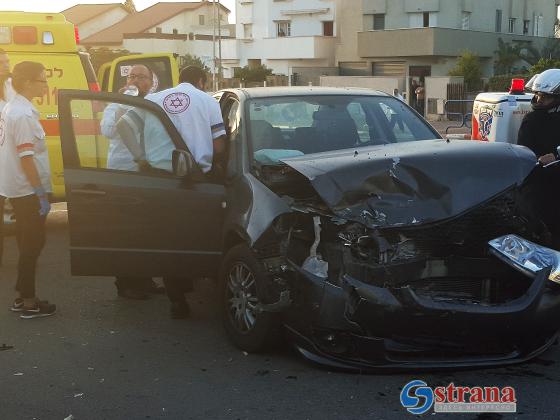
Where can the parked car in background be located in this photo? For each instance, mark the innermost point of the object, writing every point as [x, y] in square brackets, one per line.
[340, 217]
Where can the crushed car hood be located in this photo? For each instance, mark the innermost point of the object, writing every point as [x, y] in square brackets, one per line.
[413, 183]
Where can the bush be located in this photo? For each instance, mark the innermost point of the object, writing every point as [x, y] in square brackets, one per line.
[544, 64]
[468, 66]
[253, 74]
[502, 83]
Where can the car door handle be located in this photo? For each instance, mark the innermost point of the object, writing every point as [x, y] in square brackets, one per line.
[88, 192]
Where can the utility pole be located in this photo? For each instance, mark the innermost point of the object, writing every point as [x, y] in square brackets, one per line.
[214, 81]
[220, 71]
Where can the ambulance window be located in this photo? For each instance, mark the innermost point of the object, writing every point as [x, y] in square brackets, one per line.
[5, 35]
[160, 66]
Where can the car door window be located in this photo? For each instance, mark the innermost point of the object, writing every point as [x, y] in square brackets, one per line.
[119, 137]
[230, 113]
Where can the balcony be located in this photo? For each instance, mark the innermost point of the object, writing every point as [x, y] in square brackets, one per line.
[420, 42]
[296, 47]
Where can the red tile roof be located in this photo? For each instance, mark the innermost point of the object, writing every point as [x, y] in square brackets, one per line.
[142, 21]
[81, 13]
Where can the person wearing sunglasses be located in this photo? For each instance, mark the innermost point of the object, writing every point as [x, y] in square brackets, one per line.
[25, 180]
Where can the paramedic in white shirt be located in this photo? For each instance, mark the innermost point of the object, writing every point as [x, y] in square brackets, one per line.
[198, 118]
[25, 178]
[6, 94]
[195, 114]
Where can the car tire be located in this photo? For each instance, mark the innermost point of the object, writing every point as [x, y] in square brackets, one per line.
[249, 330]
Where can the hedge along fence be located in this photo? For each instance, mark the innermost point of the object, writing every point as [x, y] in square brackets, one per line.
[502, 83]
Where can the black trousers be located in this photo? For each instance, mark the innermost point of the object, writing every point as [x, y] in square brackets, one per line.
[30, 233]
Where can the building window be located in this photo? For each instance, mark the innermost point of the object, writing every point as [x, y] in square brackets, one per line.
[201, 20]
[379, 22]
[328, 28]
[247, 31]
[158, 30]
[426, 19]
[466, 21]
[526, 25]
[283, 28]
[511, 25]
[498, 20]
[175, 31]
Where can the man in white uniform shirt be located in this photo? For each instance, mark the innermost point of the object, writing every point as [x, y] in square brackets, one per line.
[198, 118]
[6, 94]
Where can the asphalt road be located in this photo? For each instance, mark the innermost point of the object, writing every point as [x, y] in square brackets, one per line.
[102, 357]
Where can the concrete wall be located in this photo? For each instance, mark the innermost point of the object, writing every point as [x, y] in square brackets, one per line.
[97, 24]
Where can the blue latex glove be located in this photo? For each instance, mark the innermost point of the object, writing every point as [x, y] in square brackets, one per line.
[45, 205]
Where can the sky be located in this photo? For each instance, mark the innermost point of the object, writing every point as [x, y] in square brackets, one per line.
[59, 5]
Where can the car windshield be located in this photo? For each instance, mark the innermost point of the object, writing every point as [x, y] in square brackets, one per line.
[282, 127]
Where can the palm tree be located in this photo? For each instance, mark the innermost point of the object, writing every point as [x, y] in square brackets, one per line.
[506, 57]
[550, 51]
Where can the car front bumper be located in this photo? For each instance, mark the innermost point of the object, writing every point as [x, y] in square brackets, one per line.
[363, 327]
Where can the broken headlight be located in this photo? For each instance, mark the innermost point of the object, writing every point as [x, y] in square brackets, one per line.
[526, 256]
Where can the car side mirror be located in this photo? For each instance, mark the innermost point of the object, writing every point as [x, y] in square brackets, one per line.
[183, 163]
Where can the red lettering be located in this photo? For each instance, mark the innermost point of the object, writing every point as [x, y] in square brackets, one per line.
[508, 395]
[440, 394]
[461, 391]
[491, 394]
[451, 392]
[477, 395]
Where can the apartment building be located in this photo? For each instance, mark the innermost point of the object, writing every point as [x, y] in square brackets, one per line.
[421, 38]
[282, 34]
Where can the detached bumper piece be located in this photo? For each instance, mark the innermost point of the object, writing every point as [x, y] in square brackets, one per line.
[399, 329]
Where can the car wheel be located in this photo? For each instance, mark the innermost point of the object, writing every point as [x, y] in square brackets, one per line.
[242, 284]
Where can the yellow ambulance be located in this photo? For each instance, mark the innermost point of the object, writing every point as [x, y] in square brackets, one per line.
[51, 40]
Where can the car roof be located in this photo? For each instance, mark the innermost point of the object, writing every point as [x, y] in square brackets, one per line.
[267, 92]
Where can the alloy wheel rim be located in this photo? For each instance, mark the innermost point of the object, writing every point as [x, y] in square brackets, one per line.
[242, 297]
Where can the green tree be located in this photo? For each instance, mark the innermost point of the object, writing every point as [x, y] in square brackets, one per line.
[253, 73]
[506, 57]
[544, 64]
[130, 6]
[99, 56]
[468, 66]
[193, 60]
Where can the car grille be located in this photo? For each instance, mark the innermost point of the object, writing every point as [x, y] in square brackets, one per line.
[468, 234]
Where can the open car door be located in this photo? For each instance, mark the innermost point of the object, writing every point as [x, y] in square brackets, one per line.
[112, 76]
[127, 221]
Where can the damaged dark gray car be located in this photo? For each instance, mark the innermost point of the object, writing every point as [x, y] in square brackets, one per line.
[340, 217]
